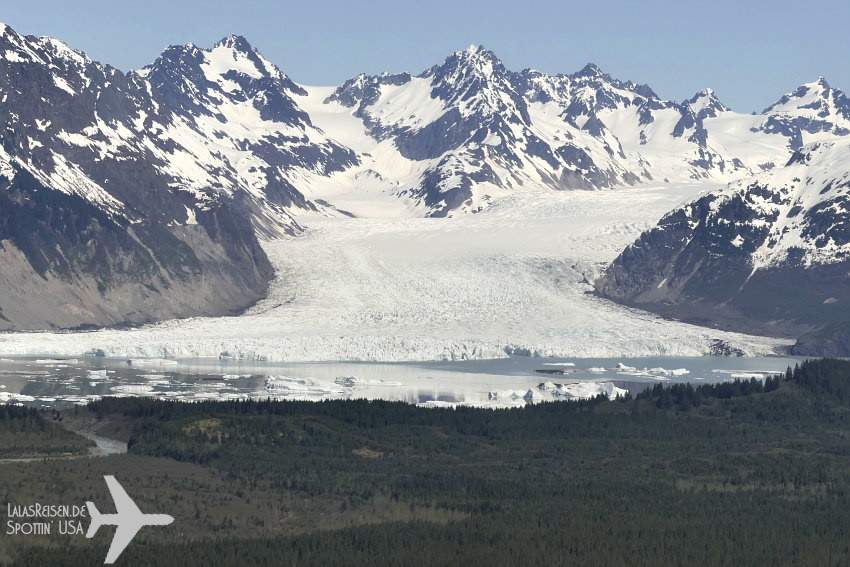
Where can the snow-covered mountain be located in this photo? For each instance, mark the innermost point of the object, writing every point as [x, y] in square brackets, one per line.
[124, 194]
[469, 131]
[464, 132]
[769, 254]
[233, 129]
[813, 112]
[139, 196]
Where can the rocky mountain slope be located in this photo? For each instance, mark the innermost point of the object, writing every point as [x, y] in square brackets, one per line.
[139, 196]
[769, 254]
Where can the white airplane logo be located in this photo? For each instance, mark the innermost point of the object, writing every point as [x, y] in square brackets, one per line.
[128, 518]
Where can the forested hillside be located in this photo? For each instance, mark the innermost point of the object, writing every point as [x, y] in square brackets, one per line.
[745, 473]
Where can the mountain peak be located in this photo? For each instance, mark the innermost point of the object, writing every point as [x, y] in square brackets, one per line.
[819, 86]
[590, 70]
[236, 42]
[821, 82]
[807, 95]
[475, 53]
[475, 61]
[705, 102]
[174, 51]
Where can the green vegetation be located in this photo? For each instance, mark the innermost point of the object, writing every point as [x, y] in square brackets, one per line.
[29, 433]
[746, 473]
[684, 396]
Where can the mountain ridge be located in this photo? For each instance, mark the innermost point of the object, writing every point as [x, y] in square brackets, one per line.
[580, 131]
[769, 254]
[147, 185]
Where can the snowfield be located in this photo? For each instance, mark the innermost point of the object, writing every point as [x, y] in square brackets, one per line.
[512, 279]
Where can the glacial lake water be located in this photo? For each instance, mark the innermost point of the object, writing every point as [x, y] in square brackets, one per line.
[48, 382]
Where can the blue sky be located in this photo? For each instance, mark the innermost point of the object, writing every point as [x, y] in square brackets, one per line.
[749, 52]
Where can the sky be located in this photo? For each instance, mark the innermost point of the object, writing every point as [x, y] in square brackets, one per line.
[749, 52]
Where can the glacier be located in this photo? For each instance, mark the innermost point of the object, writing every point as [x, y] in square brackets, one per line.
[515, 278]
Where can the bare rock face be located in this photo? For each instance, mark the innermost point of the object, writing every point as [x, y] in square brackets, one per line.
[67, 264]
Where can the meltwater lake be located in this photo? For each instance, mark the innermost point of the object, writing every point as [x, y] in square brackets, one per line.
[506, 382]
